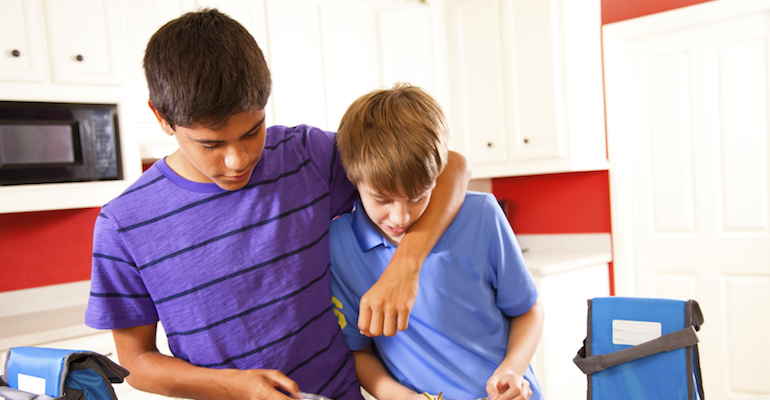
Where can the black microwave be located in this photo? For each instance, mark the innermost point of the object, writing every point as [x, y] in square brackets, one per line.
[58, 142]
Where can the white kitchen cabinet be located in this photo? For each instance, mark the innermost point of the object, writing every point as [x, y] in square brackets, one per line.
[296, 63]
[568, 270]
[75, 41]
[322, 55]
[83, 37]
[48, 36]
[325, 54]
[526, 85]
[21, 41]
[413, 48]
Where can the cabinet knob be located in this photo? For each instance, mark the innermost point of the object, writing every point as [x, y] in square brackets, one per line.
[15, 53]
[490, 144]
[79, 57]
[526, 140]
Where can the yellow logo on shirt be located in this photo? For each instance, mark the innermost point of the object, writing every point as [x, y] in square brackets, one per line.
[340, 316]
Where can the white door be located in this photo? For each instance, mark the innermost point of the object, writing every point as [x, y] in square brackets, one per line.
[687, 112]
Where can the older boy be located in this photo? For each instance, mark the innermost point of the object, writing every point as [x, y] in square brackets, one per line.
[476, 322]
[225, 241]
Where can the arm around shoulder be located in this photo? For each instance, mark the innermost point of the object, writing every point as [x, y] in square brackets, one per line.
[385, 308]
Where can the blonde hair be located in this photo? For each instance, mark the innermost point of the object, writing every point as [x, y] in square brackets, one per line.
[394, 140]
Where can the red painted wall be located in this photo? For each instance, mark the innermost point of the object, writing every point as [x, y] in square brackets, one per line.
[621, 10]
[45, 248]
[559, 203]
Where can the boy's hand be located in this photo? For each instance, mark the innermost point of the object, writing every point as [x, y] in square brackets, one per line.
[505, 384]
[260, 384]
[385, 308]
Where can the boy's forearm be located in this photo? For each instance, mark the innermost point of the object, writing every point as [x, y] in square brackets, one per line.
[445, 203]
[173, 377]
[157, 373]
[523, 339]
[375, 378]
[151, 371]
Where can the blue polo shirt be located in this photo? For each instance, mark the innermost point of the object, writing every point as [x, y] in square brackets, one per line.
[471, 284]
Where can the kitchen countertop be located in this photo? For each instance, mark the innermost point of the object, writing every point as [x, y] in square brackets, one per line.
[39, 315]
[548, 254]
[43, 326]
[34, 316]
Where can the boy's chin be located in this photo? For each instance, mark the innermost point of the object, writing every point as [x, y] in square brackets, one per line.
[231, 186]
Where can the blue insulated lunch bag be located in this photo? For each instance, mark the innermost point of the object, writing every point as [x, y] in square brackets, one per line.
[642, 348]
[37, 373]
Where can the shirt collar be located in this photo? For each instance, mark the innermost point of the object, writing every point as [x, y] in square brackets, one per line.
[369, 237]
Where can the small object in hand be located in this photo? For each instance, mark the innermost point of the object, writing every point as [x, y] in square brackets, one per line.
[310, 396]
[431, 397]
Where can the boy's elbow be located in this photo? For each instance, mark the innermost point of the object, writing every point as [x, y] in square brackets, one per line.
[460, 163]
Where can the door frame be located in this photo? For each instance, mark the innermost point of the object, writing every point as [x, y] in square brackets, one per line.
[614, 39]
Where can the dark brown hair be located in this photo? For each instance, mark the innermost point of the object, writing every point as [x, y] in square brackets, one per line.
[204, 67]
[395, 141]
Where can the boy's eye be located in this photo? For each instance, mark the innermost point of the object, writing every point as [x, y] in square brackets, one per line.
[382, 201]
[210, 147]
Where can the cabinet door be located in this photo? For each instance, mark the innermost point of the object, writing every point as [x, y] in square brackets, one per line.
[481, 112]
[83, 41]
[564, 297]
[142, 18]
[350, 57]
[526, 85]
[296, 63]
[21, 41]
[411, 43]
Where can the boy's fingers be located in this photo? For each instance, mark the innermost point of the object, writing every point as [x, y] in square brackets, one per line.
[403, 319]
[284, 382]
[390, 328]
[364, 319]
[375, 327]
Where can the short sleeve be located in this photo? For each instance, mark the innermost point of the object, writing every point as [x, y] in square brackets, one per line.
[516, 290]
[348, 283]
[326, 160]
[118, 297]
[345, 304]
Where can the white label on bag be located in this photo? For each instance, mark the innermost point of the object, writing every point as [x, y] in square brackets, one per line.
[32, 384]
[634, 332]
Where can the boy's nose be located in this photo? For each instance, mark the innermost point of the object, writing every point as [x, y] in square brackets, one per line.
[399, 215]
[237, 158]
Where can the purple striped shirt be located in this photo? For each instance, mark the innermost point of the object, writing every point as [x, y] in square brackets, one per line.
[239, 279]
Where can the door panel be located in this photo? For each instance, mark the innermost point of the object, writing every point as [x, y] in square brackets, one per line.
[695, 150]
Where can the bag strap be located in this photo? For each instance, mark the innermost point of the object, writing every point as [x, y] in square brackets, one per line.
[671, 341]
[105, 367]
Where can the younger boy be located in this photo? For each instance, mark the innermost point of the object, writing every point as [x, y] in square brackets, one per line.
[225, 241]
[476, 321]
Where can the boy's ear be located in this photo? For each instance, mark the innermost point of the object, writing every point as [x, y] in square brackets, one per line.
[163, 123]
